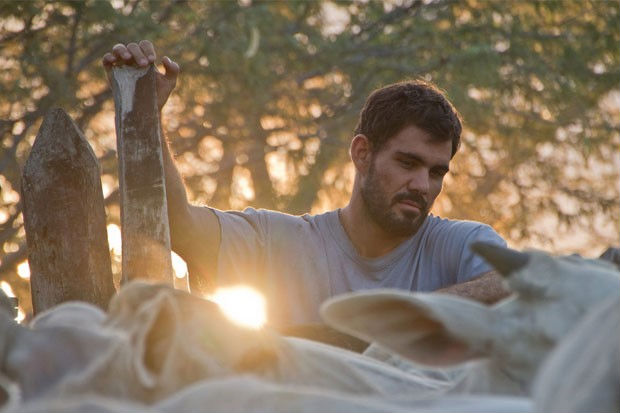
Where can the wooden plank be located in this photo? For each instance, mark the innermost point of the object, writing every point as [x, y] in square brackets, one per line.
[64, 218]
[144, 213]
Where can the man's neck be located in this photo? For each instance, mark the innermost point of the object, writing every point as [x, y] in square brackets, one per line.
[368, 238]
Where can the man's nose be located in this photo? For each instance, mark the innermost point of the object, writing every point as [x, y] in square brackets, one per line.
[419, 181]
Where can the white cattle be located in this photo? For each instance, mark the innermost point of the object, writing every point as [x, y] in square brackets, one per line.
[583, 373]
[156, 340]
[506, 342]
[169, 350]
[157, 344]
[255, 395]
[61, 346]
[59, 343]
[70, 314]
[86, 403]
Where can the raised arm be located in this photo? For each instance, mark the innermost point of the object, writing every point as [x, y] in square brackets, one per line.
[194, 231]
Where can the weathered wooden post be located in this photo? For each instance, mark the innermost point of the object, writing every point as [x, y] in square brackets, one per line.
[144, 212]
[64, 218]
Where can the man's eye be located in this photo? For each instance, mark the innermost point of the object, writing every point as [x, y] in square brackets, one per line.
[406, 164]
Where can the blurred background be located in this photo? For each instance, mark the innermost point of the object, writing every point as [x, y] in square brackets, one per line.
[269, 94]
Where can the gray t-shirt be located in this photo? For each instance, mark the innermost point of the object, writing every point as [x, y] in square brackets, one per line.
[299, 261]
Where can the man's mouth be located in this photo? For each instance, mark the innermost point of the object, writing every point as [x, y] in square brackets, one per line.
[411, 202]
[411, 205]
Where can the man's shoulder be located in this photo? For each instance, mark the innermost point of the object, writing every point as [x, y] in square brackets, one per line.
[268, 218]
[286, 217]
[436, 223]
[438, 227]
[451, 240]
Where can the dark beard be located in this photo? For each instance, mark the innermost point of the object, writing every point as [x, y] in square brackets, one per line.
[378, 207]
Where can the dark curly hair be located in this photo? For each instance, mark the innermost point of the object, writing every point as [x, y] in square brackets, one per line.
[393, 107]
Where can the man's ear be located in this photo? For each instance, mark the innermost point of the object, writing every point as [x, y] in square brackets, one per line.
[436, 330]
[361, 153]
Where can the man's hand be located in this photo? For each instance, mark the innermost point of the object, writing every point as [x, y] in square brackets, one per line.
[142, 54]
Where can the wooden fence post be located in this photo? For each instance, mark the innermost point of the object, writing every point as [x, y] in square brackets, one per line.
[144, 211]
[64, 218]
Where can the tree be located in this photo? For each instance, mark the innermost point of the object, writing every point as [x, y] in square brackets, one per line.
[270, 91]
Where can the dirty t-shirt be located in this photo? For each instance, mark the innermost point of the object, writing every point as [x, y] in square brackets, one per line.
[300, 261]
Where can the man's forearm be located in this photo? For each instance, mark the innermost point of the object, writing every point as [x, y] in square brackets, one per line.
[487, 289]
[175, 188]
[194, 231]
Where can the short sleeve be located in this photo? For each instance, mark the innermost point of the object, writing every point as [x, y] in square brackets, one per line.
[470, 264]
[243, 237]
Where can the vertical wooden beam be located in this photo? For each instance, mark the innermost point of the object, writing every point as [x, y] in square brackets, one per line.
[144, 213]
[64, 218]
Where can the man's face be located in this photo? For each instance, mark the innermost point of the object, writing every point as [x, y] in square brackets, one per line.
[404, 178]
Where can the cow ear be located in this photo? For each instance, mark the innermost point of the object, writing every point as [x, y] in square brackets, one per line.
[504, 260]
[436, 330]
[155, 336]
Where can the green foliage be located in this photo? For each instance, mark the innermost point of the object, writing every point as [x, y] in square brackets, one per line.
[270, 91]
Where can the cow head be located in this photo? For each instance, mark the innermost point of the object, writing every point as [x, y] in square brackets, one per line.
[549, 297]
[176, 334]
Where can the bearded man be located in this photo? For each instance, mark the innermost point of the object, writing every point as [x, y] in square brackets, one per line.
[385, 237]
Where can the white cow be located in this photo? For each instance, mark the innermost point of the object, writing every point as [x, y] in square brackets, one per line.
[156, 343]
[506, 342]
[170, 351]
[65, 341]
[583, 373]
[70, 314]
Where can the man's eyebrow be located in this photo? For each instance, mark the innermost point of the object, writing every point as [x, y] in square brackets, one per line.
[417, 158]
[410, 156]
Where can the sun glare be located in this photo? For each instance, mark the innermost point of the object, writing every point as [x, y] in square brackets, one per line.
[23, 270]
[6, 287]
[114, 238]
[242, 305]
[179, 266]
[21, 316]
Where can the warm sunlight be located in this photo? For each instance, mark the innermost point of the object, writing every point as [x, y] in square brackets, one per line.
[6, 287]
[242, 305]
[114, 238]
[23, 270]
[8, 291]
[21, 316]
[179, 266]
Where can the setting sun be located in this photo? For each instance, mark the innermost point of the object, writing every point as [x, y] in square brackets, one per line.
[242, 305]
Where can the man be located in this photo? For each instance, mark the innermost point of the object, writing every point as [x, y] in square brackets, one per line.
[384, 237]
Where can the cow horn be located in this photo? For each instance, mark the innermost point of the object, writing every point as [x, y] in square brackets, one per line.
[504, 260]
